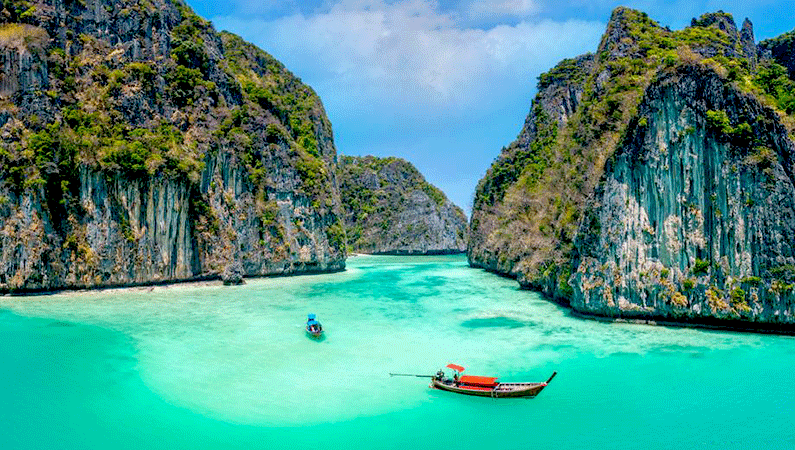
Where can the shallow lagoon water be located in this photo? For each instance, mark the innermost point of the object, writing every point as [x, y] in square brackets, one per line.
[207, 366]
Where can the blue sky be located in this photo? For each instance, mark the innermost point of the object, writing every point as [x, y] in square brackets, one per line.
[444, 84]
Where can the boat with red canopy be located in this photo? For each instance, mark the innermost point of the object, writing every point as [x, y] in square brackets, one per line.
[484, 386]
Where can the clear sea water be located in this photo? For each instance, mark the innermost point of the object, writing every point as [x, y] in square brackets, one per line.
[211, 367]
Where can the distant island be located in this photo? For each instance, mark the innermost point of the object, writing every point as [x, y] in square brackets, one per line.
[389, 208]
[654, 178]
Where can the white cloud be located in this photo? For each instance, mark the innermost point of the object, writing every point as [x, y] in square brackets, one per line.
[407, 78]
[409, 55]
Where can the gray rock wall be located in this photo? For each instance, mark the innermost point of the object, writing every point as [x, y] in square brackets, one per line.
[142, 231]
[652, 183]
[231, 178]
[688, 223]
[389, 208]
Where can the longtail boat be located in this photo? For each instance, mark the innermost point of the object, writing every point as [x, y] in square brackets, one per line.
[485, 386]
[313, 327]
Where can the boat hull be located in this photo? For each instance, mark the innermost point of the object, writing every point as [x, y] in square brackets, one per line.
[502, 390]
[314, 334]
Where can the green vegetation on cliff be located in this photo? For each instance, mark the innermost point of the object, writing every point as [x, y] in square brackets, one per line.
[92, 121]
[390, 208]
[90, 95]
[146, 91]
[529, 209]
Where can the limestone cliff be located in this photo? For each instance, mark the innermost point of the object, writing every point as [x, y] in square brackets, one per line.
[139, 145]
[653, 180]
[389, 208]
[782, 50]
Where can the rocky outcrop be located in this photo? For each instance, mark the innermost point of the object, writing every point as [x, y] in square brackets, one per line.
[731, 42]
[137, 146]
[493, 243]
[691, 222]
[391, 209]
[782, 50]
[662, 190]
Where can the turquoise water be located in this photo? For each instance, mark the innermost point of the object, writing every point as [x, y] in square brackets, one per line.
[206, 366]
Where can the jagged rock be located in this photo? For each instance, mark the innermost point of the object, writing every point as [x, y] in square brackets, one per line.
[665, 191]
[748, 43]
[391, 209]
[233, 274]
[738, 43]
[677, 193]
[720, 20]
[617, 40]
[782, 50]
[139, 145]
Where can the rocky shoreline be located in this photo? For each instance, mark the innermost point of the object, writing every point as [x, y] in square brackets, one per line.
[653, 179]
[700, 323]
[739, 326]
[419, 252]
[214, 280]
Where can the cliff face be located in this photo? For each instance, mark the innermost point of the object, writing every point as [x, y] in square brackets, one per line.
[666, 194]
[690, 221]
[782, 49]
[138, 145]
[389, 208]
[503, 237]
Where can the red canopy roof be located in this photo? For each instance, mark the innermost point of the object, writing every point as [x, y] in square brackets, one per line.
[480, 381]
[455, 367]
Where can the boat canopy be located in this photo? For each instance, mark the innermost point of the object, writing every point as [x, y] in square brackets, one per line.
[311, 317]
[455, 367]
[312, 322]
[478, 381]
